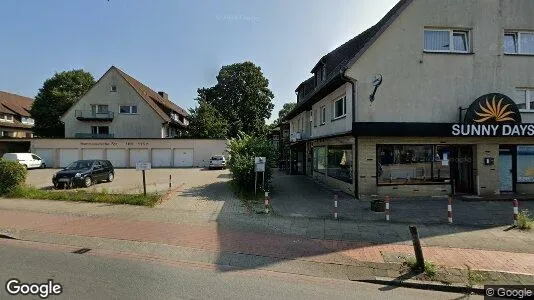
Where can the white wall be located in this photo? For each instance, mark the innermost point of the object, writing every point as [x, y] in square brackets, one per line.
[146, 124]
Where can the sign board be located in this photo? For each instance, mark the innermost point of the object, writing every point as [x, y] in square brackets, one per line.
[142, 166]
[259, 164]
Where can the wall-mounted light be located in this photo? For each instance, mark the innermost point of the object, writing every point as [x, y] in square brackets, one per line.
[377, 81]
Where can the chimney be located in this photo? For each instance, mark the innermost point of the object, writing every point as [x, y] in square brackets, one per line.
[164, 95]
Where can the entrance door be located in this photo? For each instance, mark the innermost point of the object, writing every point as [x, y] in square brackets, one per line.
[506, 170]
[462, 169]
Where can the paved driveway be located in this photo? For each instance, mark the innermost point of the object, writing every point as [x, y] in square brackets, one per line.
[130, 180]
[300, 196]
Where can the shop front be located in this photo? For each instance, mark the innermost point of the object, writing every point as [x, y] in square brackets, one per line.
[489, 152]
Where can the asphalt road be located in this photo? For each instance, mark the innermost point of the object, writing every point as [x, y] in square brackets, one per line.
[86, 276]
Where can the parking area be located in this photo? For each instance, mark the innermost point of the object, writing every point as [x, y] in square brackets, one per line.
[300, 196]
[130, 181]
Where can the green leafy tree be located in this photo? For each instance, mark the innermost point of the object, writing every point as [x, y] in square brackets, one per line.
[243, 98]
[284, 111]
[56, 96]
[206, 122]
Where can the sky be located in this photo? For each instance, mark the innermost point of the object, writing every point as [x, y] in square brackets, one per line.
[176, 46]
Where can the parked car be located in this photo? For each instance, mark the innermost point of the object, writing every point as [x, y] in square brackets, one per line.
[217, 162]
[28, 160]
[84, 173]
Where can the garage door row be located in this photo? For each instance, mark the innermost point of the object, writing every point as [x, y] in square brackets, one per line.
[121, 158]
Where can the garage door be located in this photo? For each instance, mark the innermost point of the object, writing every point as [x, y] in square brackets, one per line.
[66, 156]
[138, 155]
[47, 155]
[117, 157]
[93, 153]
[183, 157]
[161, 158]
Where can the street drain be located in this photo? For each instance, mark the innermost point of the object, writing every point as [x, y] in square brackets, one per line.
[82, 251]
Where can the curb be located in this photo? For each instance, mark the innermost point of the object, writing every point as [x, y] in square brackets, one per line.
[426, 285]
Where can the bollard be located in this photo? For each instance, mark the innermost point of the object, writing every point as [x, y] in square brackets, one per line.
[420, 260]
[170, 181]
[266, 202]
[449, 210]
[516, 210]
[387, 208]
[335, 206]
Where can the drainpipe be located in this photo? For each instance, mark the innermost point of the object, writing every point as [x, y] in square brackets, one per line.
[352, 82]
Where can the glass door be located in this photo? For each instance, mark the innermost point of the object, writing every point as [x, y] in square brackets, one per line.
[506, 170]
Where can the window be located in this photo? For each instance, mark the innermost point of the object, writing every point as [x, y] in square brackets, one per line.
[340, 162]
[446, 40]
[319, 159]
[99, 109]
[525, 164]
[128, 109]
[526, 98]
[6, 118]
[315, 118]
[323, 73]
[100, 129]
[323, 115]
[413, 164]
[113, 88]
[27, 121]
[519, 42]
[339, 108]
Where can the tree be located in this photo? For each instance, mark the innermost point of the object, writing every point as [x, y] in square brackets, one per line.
[56, 96]
[243, 98]
[284, 111]
[206, 122]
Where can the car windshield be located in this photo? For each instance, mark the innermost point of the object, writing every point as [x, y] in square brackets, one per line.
[80, 165]
[217, 158]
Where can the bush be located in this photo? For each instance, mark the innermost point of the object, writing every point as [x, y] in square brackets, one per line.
[12, 175]
[242, 151]
[524, 220]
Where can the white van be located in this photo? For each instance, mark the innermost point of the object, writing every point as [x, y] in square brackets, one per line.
[29, 160]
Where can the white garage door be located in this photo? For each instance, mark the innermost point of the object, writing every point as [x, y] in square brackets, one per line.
[93, 153]
[183, 157]
[47, 155]
[66, 156]
[117, 157]
[161, 158]
[138, 155]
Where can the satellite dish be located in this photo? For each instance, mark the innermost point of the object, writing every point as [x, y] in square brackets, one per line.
[377, 80]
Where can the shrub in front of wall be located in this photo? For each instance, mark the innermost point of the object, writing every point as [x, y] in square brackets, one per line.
[12, 175]
[243, 150]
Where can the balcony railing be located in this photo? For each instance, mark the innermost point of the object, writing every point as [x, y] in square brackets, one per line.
[81, 135]
[88, 115]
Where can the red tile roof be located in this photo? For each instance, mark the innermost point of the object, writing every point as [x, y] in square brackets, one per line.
[15, 104]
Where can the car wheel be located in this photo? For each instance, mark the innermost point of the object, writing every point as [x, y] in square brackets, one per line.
[111, 176]
[87, 181]
[56, 185]
[43, 166]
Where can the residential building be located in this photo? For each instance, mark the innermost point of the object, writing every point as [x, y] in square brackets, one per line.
[437, 98]
[15, 120]
[119, 106]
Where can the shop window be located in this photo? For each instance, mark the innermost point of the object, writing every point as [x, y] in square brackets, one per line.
[413, 164]
[319, 159]
[525, 164]
[340, 162]
[519, 42]
[446, 40]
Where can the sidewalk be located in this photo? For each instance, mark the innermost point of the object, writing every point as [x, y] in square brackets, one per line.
[276, 246]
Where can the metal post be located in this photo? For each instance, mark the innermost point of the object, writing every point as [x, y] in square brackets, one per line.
[255, 181]
[263, 180]
[144, 183]
[420, 264]
[170, 181]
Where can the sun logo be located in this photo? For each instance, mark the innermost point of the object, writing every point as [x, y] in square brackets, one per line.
[495, 111]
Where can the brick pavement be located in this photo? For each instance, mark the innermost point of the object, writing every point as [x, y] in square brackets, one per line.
[212, 237]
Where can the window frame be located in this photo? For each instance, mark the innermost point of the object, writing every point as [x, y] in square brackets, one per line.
[315, 117]
[98, 129]
[344, 108]
[451, 32]
[130, 109]
[113, 88]
[528, 98]
[323, 115]
[517, 34]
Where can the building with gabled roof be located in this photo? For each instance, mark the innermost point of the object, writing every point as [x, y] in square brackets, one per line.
[15, 120]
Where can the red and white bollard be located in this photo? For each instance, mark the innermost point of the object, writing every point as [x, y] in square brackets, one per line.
[335, 206]
[449, 211]
[387, 208]
[266, 202]
[516, 210]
